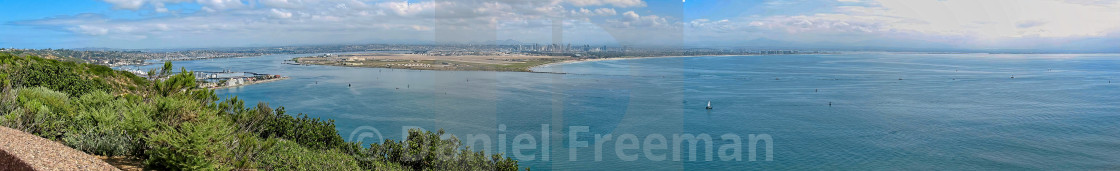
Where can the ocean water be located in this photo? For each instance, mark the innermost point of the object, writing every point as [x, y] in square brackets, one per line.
[859, 111]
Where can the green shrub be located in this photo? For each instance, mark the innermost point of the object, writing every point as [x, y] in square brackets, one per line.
[267, 123]
[196, 145]
[279, 154]
[61, 76]
[311, 132]
[425, 150]
[100, 70]
[42, 112]
[106, 125]
[106, 142]
[178, 83]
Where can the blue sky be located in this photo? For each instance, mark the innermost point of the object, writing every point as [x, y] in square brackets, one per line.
[920, 25]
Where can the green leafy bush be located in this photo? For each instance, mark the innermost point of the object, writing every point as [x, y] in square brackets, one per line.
[106, 142]
[196, 145]
[58, 76]
[42, 112]
[100, 70]
[280, 154]
[425, 150]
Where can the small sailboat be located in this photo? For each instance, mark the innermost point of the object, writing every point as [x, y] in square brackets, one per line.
[709, 105]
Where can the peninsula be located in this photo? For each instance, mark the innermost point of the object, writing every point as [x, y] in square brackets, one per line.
[518, 58]
[504, 62]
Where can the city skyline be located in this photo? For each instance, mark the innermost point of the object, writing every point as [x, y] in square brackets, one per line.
[918, 25]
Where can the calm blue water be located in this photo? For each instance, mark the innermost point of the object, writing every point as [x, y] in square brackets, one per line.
[948, 112]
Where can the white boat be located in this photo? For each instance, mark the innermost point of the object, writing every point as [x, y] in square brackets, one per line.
[709, 105]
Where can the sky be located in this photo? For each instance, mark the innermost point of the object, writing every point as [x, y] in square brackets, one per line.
[901, 25]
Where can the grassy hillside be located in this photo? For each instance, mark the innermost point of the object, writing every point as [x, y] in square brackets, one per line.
[170, 124]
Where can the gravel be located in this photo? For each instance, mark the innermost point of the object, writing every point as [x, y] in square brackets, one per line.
[38, 153]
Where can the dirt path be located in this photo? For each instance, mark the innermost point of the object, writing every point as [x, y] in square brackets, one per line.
[23, 151]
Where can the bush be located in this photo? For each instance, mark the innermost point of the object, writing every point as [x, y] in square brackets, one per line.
[279, 154]
[41, 111]
[267, 123]
[106, 142]
[425, 150]
[61, 76]
[110, 126]
[196, 145]
[311, 132]
[100, 70]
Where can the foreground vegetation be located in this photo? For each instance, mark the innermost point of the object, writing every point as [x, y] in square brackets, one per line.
[170, 124]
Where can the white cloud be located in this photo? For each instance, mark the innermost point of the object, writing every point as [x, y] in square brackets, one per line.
[631, 19]
[617, 3]
[259, 22]
[981, 19]
[126, 4]
[989, 23]
[282, 3]
[159, 5]
[584, 12]
[91, 30]
[280, 14]
[961, 23]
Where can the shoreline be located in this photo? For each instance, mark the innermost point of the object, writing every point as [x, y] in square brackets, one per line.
[536, 68]
[254, 82]
[530, 69]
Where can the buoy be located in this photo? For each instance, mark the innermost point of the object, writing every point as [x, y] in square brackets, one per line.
[829, 104]
[349, 85]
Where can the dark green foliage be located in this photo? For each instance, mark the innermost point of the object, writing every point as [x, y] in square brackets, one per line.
[279, 154]
[100, 70]
[177, 83]
[311, 132]
[108, 125]
[57, 76]
[202, 143]
[425, 150]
